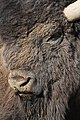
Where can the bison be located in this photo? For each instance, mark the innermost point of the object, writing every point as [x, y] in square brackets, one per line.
[41, 53]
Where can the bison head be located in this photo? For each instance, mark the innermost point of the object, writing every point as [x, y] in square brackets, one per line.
[41, 53]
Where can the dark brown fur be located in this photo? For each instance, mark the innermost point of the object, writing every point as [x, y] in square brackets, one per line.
[28, 31]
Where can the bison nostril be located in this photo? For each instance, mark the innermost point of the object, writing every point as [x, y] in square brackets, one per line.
[26, 82]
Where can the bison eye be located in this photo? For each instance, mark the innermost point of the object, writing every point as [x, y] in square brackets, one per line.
[56, 37]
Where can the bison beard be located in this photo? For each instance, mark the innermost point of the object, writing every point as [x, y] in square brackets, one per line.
[40, 40]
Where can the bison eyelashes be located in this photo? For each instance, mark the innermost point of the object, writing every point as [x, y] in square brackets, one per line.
[56, 38]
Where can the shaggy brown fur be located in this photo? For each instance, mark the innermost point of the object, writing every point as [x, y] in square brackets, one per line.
[29, 31]
[3, 78]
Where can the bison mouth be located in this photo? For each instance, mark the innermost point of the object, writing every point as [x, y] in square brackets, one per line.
[37, 93]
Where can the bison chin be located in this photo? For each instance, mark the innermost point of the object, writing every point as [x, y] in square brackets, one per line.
[26, 107]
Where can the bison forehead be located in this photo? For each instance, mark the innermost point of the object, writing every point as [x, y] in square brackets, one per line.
[21, 17]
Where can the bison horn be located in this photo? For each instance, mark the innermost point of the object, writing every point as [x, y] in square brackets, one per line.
[72, 12]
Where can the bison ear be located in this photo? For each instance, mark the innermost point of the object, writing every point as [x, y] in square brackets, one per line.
[72, 11]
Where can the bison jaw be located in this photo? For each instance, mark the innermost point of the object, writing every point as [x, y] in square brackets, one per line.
[21, 81]
[72, 12]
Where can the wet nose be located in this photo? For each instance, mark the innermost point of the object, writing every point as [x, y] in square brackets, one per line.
[22, 80]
